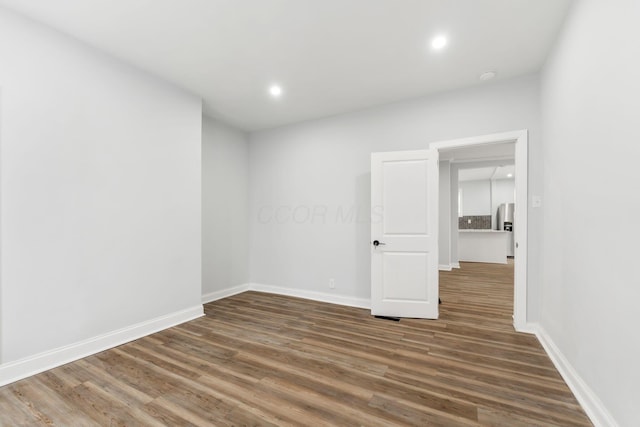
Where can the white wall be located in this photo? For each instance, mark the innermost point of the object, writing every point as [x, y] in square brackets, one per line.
[591, 105]
[453, 215]
[476, 197]
[444, 216]
[225, 177]
[100, 184]
[482, 197]
[312, 172]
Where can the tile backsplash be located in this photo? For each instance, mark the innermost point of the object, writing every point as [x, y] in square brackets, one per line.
[474, 222]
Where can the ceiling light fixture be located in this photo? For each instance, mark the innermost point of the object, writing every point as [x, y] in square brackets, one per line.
[275, 91]
[488, 75]
[439, 42]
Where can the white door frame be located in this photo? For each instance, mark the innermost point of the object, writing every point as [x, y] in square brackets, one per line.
[521, 140]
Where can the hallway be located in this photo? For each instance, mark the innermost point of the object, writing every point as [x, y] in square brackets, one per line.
[478, 294]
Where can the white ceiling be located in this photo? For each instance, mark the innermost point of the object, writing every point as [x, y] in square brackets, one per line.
[485, 173]
[330, 56]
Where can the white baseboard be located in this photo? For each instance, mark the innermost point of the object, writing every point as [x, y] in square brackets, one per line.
[595, 410]
[526, 328]
[224, 293]
[445, 267]
[315, 296]
[455, 264]
[14, 371]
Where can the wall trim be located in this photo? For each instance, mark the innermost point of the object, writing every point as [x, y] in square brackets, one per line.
[526, 328]
[312, 295]
[455, 264]
[224, 293]
[521, 139]
[23, 368]
[445, 267]
[592, 405]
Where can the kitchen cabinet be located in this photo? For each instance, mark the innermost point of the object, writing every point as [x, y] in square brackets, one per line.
[483, 246]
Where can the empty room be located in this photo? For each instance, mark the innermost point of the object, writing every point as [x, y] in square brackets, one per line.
[319, 213]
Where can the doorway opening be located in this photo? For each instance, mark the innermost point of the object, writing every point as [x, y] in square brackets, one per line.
[487, 151]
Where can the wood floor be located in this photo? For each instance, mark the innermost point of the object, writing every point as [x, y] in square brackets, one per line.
[260, 359]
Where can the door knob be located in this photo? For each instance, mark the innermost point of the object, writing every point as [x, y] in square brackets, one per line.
[376, 243]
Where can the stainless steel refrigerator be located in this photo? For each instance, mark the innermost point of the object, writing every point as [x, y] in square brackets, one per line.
[505, 222]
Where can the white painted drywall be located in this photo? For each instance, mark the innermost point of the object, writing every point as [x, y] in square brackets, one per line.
[100, 189]
[225, 193]
[310, 183]
[454, 215]
[476, 197]
[590, 294]
[444, 216]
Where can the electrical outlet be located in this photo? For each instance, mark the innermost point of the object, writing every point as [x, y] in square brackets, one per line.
[468, 221]
[332, 283]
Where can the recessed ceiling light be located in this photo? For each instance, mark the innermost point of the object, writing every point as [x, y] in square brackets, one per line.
[275, 91]
[488, 75]
[509, 175]
[439, 42]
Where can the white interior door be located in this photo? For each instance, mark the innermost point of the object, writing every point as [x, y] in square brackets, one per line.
[404, 234]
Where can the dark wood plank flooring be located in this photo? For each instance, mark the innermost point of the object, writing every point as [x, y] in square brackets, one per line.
[261, 359]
